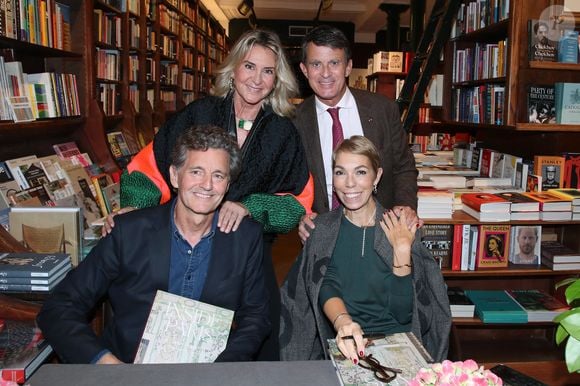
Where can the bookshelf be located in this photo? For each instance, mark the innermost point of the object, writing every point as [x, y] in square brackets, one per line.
[504, 127]
[166, 52]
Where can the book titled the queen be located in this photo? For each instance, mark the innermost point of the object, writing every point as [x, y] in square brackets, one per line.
[30, 264]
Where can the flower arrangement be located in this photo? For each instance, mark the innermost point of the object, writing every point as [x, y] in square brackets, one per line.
[459, 373]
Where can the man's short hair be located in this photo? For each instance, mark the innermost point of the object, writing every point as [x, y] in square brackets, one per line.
[202, 138]
[326, 36]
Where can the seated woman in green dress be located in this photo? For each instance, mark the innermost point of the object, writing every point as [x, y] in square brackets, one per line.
[362, 270]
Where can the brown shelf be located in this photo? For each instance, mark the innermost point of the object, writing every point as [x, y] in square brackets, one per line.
[571, 128]
[36, 49]
[479, 82]
[491, 33]
[511, 270]
[460, 217]
[540, 65]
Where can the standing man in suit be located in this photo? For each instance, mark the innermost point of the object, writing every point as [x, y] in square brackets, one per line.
[326, 63]
[176, 247]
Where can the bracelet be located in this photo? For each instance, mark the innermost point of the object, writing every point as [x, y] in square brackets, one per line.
[404, 265]
[338, 317]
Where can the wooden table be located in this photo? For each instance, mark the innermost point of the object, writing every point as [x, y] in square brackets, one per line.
[553, 373]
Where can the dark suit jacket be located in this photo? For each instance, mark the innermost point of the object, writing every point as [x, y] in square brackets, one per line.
[130, 265]
[381, 123]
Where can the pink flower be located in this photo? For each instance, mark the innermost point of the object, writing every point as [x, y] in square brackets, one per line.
[459, 373]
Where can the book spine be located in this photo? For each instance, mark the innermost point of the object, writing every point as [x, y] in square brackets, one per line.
[457, 247]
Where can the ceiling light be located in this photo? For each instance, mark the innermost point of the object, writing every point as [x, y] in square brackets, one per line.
[245, 7]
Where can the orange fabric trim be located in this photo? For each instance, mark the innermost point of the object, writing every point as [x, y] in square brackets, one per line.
[306, 197]
[144, 162]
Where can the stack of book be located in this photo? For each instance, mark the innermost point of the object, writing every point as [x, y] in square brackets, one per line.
[540, 306]
[552, 206]
[461, 306]
[559, 257]
[435, 204]
[496, 306]
[574, 196]
[486, 207]
[522, 207]
[22, 350]
[32, 272]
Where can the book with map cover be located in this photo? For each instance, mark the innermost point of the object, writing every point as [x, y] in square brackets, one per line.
[199, 331]
[402, 351]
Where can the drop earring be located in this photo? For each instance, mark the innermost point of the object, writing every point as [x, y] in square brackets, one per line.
[375, 188]
[231, 83]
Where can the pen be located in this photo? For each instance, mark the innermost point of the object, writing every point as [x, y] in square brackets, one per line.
[367, 336]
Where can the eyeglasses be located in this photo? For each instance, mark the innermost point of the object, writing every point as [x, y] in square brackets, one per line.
[382, 373]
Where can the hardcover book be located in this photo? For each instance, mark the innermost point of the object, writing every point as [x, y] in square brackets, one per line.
[539, 306]
[567, 96]
[520, 202]
[550, 202]
[22, 350]
[568, 47]
[496, 306]
[568, 194]
[29, 264]
[493, 246]
[200, 331]
[461, 305]
[540, 46]
[559, 253]
[571, 170]
[541, 104]
[486, 202]
[525, 244]
[551, 168]
[402, 351]
[438, 238]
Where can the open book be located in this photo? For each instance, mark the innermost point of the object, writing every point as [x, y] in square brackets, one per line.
[182, 330]
[401, 351]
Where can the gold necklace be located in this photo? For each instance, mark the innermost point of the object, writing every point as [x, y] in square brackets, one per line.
[369, 223]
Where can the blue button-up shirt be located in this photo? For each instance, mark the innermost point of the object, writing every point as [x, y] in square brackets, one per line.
[189, 265]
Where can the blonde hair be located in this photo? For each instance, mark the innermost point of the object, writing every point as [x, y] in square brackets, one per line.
[285, 85]
[359, 145]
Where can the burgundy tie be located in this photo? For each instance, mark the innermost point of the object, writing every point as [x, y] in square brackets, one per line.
[337, 138]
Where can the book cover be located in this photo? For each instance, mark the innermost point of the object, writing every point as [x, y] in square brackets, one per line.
[568, 47]
[493, 246]
[21, 288]
[550, 202]
[460, 304]
[485, 202]
[551, 168]
[539, 305]
[22, 350]
[402, 351]
[541, 104]
[30, 264]
[438, 238]
[52, 230]
[559, 253]
[567, 97]
[200, 331]
[520, 202]
[540, 46]
[526, 244]
[534, 183]
[571, 170]
[568, 194]
[473, 239]
[496, 306]
[66, 150]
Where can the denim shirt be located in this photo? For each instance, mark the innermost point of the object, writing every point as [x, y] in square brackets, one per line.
[189, 264]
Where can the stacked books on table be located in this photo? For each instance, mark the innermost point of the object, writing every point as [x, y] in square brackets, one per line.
[574, 196]
[552, 206]
[30, 272]
[540, 306]
[559, 257]
[496, 306]
[22, 349]
[435, 204]
[461, 306]
[486, 207]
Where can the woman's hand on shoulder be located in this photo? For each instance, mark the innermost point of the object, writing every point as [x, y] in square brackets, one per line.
[231, 215]
[399, 234]
[110, 222]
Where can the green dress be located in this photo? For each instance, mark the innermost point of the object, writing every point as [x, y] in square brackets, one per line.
[375, 298]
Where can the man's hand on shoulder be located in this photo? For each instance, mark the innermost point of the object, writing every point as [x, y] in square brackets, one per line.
[306, 225]
[110, 222]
